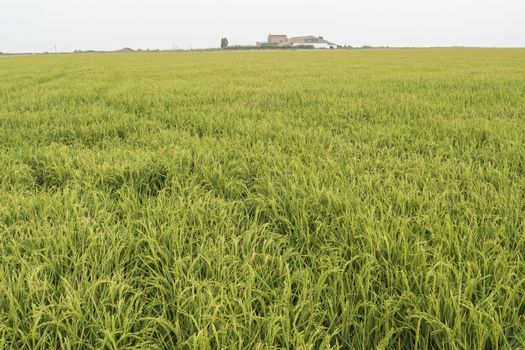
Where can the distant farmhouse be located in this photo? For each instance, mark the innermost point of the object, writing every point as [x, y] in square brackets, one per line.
[284, 41]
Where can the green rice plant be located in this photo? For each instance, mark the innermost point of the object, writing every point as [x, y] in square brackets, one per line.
[349, 199]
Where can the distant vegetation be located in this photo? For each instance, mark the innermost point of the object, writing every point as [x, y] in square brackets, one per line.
[224, 43]
[268, 47]
[351, 199]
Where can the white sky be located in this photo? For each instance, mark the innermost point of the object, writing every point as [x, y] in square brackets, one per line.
[39, 25]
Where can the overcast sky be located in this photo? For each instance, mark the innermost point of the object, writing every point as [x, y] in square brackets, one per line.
[39, 25]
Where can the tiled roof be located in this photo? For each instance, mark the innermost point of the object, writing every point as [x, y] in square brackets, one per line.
[309, 39]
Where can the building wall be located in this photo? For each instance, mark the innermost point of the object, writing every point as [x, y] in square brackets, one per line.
[275, 39]
[316, 45]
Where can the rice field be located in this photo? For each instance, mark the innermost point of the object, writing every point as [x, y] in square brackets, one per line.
[353, 199]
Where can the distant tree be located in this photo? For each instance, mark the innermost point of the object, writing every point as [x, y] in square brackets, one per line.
[224, 43]
[321, 38]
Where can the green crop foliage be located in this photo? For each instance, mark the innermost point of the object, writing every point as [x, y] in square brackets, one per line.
[351, 199]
